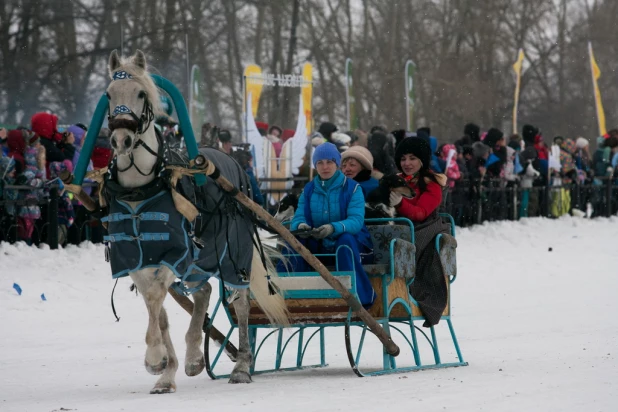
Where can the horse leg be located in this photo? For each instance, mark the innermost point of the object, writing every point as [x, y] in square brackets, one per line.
[167, 382]
[194, 361]
[152, 283]
[241, 372]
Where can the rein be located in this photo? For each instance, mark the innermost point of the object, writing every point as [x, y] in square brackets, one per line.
[156, 167]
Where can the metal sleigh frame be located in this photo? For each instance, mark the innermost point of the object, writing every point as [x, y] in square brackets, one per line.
[401, 328]
[389, 323]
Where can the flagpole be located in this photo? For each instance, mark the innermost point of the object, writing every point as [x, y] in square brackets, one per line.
[348, 62]
[519, 67]
[594, 89]
[409, 85]
[244, 93]
[187, 64]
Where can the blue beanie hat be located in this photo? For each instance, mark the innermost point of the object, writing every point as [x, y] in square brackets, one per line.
[326, 151]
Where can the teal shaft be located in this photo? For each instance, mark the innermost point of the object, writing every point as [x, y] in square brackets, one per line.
[99, 116]
[91, 137]
[183, 119]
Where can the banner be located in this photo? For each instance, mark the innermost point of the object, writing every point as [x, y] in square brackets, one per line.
[253, 86]
[409, 73]
[306, 95]
[596, 74]
[255, 139]
[517, 67]
[197, 107]
[350, 103]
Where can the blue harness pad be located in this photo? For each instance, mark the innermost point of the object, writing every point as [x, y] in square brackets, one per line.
[154, 234]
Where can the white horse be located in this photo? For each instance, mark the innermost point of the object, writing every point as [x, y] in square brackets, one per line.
[134, 98]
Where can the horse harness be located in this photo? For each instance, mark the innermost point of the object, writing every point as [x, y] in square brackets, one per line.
[138, 125]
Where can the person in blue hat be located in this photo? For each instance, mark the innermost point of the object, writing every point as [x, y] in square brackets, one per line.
[331, 211]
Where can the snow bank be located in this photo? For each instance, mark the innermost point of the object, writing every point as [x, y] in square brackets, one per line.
[539, 328]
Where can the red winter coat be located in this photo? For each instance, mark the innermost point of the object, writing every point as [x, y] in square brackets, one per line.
[16, 143]
[541, 149]
[101, 157]
[421, 206]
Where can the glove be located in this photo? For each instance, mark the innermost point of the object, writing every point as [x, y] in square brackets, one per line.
[304, 226]
[395, 199]
[323, 231]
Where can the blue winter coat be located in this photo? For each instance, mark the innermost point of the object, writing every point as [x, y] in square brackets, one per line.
[325, 207]
[255, 188]
[369, 185]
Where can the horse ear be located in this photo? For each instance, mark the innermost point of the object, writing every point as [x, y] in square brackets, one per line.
[140, 59]
[114, 62]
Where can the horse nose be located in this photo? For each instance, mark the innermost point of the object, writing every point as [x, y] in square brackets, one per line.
[127, 142]
[114, 143]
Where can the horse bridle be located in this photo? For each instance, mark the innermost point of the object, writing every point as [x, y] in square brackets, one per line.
[138, 125]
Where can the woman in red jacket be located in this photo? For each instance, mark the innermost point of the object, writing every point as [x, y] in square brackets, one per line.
[429, 289]
[412, 157]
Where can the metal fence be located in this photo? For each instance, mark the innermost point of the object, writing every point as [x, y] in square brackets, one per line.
[473, 203]
[469, 202]
[47, 229]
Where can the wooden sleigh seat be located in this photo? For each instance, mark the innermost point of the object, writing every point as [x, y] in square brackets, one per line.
[311, 300]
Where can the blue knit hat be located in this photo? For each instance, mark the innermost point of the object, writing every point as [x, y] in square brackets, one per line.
[326, 151]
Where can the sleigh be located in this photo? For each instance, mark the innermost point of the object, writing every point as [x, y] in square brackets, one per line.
[314, 307]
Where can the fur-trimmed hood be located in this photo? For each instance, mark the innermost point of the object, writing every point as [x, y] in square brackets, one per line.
[341, 140]
[441, 178]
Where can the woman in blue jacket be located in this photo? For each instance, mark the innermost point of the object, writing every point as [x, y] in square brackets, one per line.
[334, 207]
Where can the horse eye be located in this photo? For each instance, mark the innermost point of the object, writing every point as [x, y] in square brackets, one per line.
[141, 94]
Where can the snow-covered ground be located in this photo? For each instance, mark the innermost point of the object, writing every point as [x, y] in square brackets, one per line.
[538, 327]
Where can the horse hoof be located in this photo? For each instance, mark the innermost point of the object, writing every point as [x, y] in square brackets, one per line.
[156, 369]
[240, 377]
[194, 369]
[160, 389]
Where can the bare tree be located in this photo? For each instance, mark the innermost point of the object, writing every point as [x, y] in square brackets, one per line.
[53, 58]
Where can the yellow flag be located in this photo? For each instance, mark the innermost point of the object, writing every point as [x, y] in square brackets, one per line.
[253, 86]
[306, 93]
[517, 68]
[596, 74]
[519, 63]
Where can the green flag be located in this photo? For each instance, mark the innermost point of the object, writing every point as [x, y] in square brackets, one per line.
[197, 108]
[350, 102]
[410, 70]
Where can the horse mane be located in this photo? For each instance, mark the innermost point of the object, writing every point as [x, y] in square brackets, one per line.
[141, 76]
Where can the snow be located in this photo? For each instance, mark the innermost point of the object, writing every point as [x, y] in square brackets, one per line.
[538, 327]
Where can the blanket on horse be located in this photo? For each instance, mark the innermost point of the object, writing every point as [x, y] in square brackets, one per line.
[225, 227]
[218, 243]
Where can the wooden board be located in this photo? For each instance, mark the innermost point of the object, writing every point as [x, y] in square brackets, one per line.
[322, 311]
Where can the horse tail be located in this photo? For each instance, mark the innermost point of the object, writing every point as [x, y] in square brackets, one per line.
[273, 305]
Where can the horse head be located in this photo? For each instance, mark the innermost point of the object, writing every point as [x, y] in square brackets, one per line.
[133, 101]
